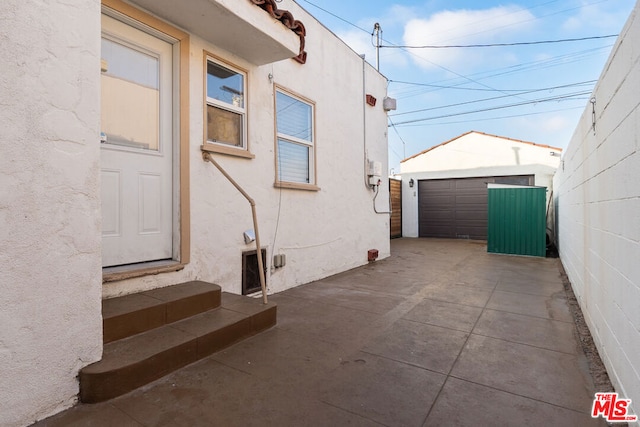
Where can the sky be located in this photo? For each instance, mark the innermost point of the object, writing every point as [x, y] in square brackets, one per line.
[534, 91]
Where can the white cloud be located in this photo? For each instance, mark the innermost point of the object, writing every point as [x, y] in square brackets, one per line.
[555, 124]
[597, 17]
[359, 42]
[553, 129]
[495, 25]
[392, 21]
[398, 14]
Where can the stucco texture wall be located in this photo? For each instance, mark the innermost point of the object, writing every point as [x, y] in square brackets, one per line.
[474, 154]
[50, 277]
[598, 213]
[321, 232]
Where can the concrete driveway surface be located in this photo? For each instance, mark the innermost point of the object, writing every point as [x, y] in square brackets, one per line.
[439, 334]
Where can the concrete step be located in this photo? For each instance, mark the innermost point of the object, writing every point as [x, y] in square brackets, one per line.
[137, 360]
[132, 314]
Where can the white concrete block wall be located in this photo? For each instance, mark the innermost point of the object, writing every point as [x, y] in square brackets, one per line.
[50, 274]
[598, 204]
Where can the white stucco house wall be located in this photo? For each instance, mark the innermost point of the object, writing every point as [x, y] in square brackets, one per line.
[274, 97]
[478, 158]
[597, 199]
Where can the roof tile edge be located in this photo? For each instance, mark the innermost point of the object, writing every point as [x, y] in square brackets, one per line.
[288, 21]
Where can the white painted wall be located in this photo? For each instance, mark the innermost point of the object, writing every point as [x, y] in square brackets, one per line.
[321, 233]
[50, 275]
[598, 204]
[50, 217]
[474, 155]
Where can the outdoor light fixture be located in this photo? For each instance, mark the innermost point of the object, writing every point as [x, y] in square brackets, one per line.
[411, 181]
[249, 236]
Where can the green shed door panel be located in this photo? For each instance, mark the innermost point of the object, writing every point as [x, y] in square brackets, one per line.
[517, 222]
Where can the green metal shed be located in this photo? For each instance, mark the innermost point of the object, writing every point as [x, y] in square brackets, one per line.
[516, 220]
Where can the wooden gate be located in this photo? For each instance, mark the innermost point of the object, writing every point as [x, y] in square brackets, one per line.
[395, 189]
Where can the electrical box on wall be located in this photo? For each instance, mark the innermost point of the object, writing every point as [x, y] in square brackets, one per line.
[375, 180]
[279, 260]
[389, 104]
[375, 168]
[374, 173]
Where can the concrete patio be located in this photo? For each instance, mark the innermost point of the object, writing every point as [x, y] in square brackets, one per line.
[439, 334]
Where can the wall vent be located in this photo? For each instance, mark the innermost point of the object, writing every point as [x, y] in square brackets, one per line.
[250, 276]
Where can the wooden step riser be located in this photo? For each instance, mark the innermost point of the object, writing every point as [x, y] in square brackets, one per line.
[155, 310]
[104, 386]
[98, 387]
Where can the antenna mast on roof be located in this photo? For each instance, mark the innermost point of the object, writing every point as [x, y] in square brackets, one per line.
[377, 30]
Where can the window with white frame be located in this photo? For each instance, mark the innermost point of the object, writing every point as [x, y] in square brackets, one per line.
[295, 139]
[226, 105]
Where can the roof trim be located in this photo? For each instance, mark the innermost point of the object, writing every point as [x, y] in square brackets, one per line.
[287, 19]
[480, 133]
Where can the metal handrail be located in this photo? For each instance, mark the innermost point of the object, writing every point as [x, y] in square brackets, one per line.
[207, 158]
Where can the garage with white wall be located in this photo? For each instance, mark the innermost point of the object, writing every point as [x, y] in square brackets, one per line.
[445, 187]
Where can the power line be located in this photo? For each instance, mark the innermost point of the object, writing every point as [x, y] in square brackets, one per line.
[404, 144]
[485, 90]
[497, 44]
[467, 78]
[424, 59]
[566, 97]
[535, 18]
[337, 17]
[489, 99]
[527, 66]
[580, 107]
[453, 72]
[548, 63]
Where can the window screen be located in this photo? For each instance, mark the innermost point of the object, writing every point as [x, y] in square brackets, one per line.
[294, 119]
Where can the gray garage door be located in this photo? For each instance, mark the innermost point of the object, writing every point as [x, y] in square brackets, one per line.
[457, 208]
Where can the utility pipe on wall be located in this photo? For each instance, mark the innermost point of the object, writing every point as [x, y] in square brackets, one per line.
[375, 188]
[207, 158]
[364, 124]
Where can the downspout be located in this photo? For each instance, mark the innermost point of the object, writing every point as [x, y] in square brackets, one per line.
[207, 158]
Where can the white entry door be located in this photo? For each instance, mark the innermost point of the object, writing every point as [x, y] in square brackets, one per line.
[136, 145]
